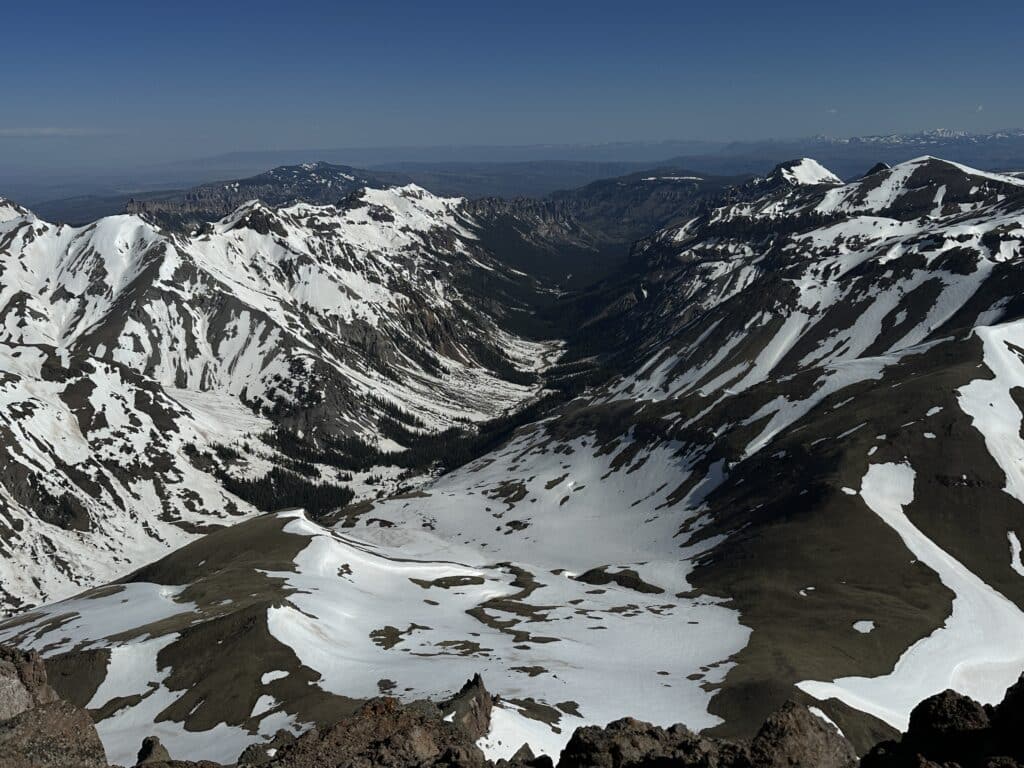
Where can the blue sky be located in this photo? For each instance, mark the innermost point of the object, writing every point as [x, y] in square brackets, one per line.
[118, 82]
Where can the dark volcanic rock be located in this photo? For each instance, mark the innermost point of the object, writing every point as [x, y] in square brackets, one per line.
[1008, 717]
[386, 734]
[790, 737]
[946, 715]
[950, 729]
[262, 754]
[793, 736]
[470, 708]
[524, 758]
[55, 735]
[152, 751]
[630, 743]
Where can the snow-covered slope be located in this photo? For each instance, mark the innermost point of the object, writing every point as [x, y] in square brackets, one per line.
[130, 352]
[267, 303]
[808, 171]
[803, 482]
[93, 480]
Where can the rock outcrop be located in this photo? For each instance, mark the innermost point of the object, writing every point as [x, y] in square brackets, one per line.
[37, 729]
[950, 729]
[22, 682]
[52, 735]
[794, 736]
[470, 708]
[385, 734]
[790, 737]
[152, 752]
[525, 758]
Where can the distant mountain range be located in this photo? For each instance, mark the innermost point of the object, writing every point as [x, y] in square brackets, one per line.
[575, 235]
[533, 171]
[851, 157]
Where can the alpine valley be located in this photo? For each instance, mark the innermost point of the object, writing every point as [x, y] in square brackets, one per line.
[264, 460]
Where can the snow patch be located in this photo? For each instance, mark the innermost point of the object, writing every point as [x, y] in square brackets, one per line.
[976, 652]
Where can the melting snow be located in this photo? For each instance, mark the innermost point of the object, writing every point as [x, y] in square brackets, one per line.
[808, 171]
[1015, 561]
[976, 652]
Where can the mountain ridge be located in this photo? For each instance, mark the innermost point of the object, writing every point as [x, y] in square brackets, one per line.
[136, 358]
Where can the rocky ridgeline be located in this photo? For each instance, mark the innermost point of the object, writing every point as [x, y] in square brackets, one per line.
[317, 183]
[40, 730]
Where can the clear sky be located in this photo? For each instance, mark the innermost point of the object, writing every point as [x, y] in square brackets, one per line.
[122, 82]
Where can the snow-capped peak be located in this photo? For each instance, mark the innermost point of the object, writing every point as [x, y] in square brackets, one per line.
[807, 171]
[965, 169]
[10, 211]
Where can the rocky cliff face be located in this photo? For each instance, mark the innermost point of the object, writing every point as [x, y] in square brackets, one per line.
[38, 729]
[578, 236]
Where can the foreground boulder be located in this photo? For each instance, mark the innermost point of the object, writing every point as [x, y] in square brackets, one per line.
[54, 735]
[22, 682]
[37, 729]
[387, 733]
[630, 743]
[790, 737]
[152, 751]
[524, 758]
[263, 754]
[793, 736]
[950, 729]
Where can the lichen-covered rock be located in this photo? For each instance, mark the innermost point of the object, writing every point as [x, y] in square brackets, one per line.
[54, 735]
[793, 736]
[630, 743]
[14, 696]
[22, 682]
[385, 734]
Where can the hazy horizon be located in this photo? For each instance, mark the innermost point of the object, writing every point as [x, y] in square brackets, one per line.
[120, 85]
